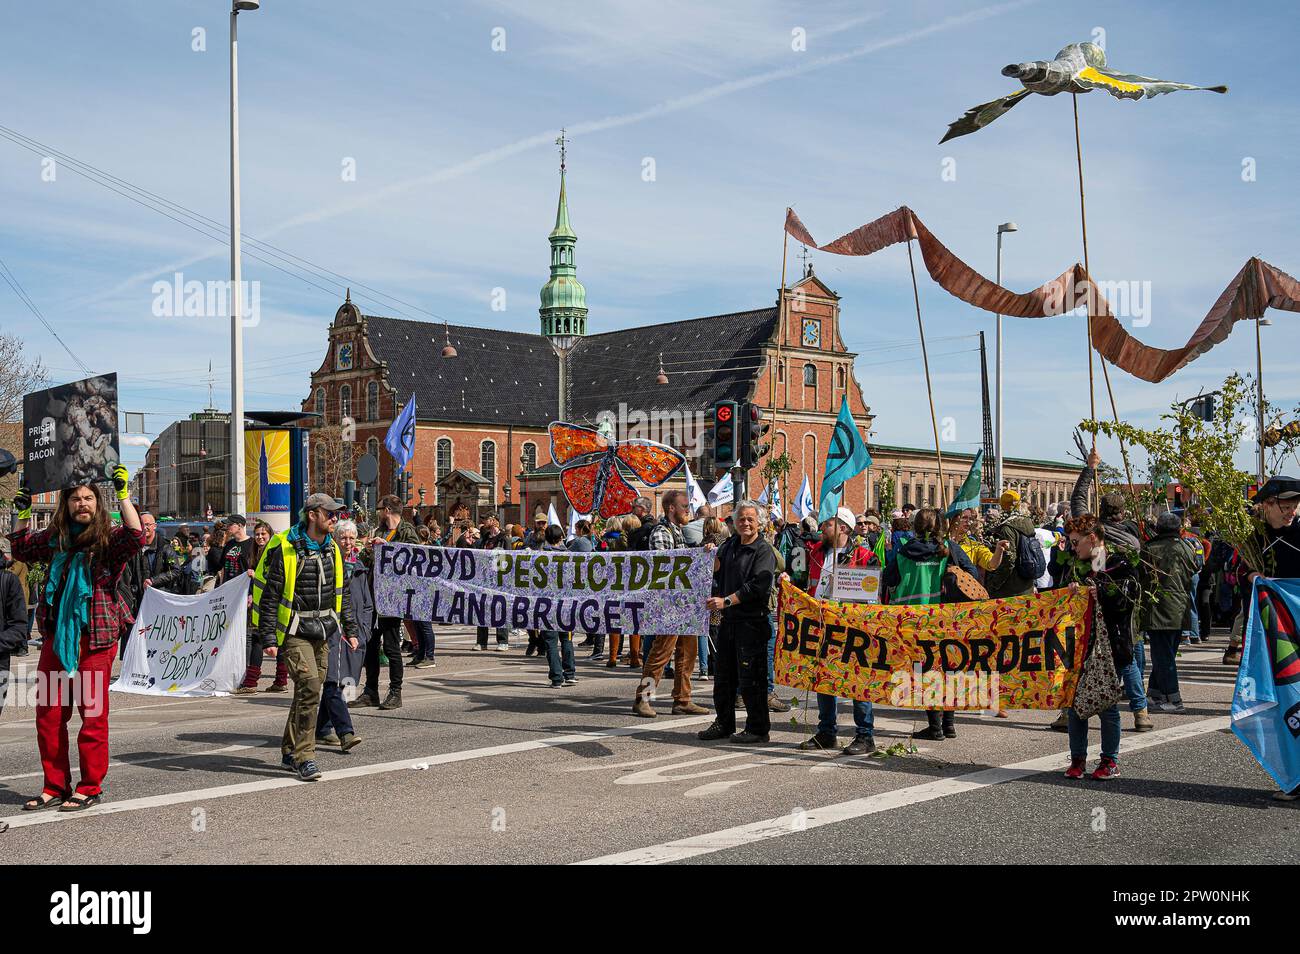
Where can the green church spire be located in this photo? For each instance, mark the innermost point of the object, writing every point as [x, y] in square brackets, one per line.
[564, 300]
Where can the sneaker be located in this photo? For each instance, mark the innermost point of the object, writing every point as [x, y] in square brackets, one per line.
[596, 657]
[307, 771]
[929, 734]
[1106, 768]
[1076, 768]
[776, 705]
[861, 745]
[1170, 707]
[286, 762]
[503, 647]
[713, 733]
[393, 700]
[245, 691]
[689, 708]
[278, 687]
[570, 682]
[330, 739]
[1142, 721]
[702, 676]
[350, 741]
[554, 685]
[363, 701]
[424, 664]
[477, 648]
[820, 743]
[643, 709]
[749, 738]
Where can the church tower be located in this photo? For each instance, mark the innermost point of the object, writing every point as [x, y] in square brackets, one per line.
[564, 301]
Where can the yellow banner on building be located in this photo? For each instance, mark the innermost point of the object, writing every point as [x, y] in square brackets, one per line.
[1019, 653]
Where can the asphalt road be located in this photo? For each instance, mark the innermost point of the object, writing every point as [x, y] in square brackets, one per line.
[484, 763]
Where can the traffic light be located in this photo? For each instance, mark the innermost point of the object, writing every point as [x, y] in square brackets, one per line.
[725, 450]
[752, 447]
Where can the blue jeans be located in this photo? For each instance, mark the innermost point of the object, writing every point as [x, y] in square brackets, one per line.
[559, 655]
[424, 639]
[703, 665]
[333, 712]
[1132, 676]
[1164, 666]
[1195, 610]
[1110, 729]
[864, 719]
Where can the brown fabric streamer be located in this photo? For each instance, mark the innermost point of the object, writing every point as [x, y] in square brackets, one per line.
[1257, 287]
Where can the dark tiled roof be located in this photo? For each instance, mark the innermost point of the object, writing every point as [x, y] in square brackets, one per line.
[707, 359]
[502, 377]
[497, 377]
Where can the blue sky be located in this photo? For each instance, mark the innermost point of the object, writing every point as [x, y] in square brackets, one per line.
[456, 179]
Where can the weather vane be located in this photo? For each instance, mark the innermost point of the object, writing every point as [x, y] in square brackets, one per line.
[804, 256]
[562, 141]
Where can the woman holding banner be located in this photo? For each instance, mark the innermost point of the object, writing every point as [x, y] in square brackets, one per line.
[82, 615]
[1113, 577]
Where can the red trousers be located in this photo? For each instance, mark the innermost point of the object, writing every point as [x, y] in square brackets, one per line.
[56, 693]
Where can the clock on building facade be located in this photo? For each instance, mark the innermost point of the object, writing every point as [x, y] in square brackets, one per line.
[812, 333]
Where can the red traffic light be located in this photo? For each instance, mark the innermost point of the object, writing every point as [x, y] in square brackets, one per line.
[724, 412]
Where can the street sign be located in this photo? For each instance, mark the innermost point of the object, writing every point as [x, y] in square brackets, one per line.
[367, 469]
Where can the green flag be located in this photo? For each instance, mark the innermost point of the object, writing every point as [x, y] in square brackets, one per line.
[968, 497]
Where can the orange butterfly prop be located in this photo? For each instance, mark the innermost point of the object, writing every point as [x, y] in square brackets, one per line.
[588, 462]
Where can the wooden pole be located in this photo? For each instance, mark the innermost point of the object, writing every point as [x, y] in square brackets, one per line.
[776, 372]
[929, 390]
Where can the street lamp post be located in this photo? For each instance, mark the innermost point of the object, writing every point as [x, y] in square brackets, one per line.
[997, 414]
[1259, 395]
[236, 286]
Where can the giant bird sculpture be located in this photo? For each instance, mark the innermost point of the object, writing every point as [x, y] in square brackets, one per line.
[1079, 68]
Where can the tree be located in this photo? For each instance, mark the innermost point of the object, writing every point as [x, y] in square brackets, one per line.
[334, 459]
[1199, 455]
[19, 375]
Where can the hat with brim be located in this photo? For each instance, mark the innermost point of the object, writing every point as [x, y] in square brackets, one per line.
[322, 502]
[1278, 488]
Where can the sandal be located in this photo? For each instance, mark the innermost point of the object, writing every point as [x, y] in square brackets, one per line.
[79, 802]
[41, 802]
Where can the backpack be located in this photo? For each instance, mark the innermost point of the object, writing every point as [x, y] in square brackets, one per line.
[1030, 562]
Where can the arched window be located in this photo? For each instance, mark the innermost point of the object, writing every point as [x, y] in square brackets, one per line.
[810, 375]
[320, 401]
[488, 464]
[372, 447]
[345, 402]
[907, 494]
[839, 378]
[780, 371]
[372, 401]
[529, 456]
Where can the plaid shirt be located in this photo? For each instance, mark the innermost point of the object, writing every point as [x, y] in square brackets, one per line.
[110, 616]
[666, 536]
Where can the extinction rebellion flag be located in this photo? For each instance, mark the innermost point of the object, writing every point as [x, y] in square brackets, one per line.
[1266, 703]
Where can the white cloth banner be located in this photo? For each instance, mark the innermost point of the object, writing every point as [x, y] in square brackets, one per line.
[695, 496]
[187, 645]
[551, 516]
[723, 491]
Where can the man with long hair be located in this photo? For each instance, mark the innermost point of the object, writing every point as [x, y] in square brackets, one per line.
[81, 615]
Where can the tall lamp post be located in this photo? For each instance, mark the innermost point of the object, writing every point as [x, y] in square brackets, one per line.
[997, 413]
[236, 287]
[1259, 394]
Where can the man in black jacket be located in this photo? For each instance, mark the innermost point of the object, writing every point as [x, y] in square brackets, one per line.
[302, 599]
[742, 583]
[13, 622]
[154, 566]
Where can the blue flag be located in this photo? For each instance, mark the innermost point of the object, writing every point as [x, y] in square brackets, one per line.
[968, 496]
[1266, 703]
[400, 439]
[845, 458]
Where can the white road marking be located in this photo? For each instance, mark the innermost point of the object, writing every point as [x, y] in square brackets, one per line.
[713, 788]
[114, 763]
[270, 784]
[886, 801]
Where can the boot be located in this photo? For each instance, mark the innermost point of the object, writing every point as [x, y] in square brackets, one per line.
[933, 732]
[349, 741]
[366, 700]
[949, 725]
[1142, 721]
[393, 700]
[776, 705]
[1062, 723]
[688, 708]
[643, 708]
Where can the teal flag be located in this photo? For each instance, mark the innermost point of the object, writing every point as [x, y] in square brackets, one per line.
[968, 496]
[846, 457]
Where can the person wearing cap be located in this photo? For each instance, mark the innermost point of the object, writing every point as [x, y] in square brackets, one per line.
[1166, 572]
[300, 599]
[837, 548]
